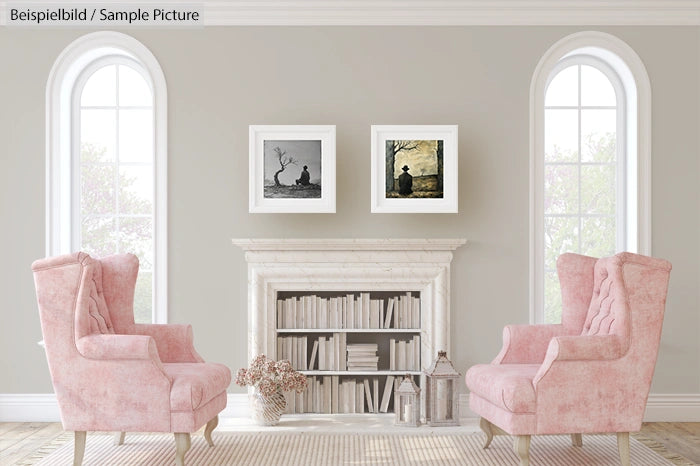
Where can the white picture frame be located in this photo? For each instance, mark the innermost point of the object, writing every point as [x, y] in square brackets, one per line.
[434, 182]
[278, 184]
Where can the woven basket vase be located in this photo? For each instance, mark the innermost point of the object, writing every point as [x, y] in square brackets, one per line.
[267, 410]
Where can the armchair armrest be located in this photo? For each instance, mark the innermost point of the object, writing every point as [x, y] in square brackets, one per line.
[117, 347]
[175, 342]
[526, 344]
[583, 349]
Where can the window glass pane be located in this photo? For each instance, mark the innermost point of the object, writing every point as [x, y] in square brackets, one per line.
[136, 237]
[136, 136]
[101, 88]
[598, 135]
[97, 185]
[133, 89]
[596, 88]
[143, 296]
[560, 236]
[98, 235]
[563, 88]
[552, 298]
[598, 189]
[598, 236]
[561, 189]
[98, 128]
[560, 135]
[135, 189]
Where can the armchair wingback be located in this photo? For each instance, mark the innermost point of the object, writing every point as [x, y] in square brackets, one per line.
[592, 372]
[111, 374]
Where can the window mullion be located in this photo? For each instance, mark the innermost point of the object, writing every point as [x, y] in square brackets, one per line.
[117, 223]
[580, 211]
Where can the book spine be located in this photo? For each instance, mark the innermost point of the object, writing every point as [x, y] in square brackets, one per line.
[416, 353]
[280, 314]
[334, 394]
[392, 354]
[360, 398]
[365, 310]
[327, 394]
[386, 397]
[351, 311]
[389, 313]
[381, 313]
[368, 396]
[415, 318]
[375, 392]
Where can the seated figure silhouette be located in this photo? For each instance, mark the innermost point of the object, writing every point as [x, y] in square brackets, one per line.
[405, 182]
[305, 177]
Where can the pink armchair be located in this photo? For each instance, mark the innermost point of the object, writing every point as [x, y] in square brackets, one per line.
[592, 372]
[110, 374]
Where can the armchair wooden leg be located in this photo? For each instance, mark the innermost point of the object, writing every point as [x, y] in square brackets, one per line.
[521, 444]
[577, 440]
[79, 447]
[487, 428]
[623, 447]
[119, 438]
[211, 425]
[182, 444]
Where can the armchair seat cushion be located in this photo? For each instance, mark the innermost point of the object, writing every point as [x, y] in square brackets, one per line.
[508, 386]
[195, 384]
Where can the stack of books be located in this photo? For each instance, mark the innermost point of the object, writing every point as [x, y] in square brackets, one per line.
[362, 357]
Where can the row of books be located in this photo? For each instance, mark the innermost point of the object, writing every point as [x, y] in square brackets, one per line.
[333, 353]
[331, 394]
[327, 353]
[350, 311]
[404, 355]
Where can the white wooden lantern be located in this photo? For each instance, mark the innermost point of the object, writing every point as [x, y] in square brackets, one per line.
[407, 403]
[442, 397]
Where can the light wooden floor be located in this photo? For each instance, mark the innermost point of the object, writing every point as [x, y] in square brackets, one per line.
[19, 440]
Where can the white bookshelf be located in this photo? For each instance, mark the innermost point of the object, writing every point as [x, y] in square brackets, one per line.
[348, 391]
[348, 330]
[362, 373]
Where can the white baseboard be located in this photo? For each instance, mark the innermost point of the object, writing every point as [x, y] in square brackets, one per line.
[673, 408]
[43, 407]
[39, 407]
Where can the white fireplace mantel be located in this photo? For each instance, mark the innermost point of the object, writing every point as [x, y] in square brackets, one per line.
[349, 265]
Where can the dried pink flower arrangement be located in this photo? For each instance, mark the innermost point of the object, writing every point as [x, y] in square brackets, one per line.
[270, 376]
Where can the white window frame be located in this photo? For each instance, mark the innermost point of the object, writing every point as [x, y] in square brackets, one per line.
[635, 139]
[61, 141]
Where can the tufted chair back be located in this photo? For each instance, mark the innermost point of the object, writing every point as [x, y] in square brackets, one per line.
[92, 315]
[608, 312]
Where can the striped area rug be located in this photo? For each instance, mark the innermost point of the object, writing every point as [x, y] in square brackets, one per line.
[322, 449]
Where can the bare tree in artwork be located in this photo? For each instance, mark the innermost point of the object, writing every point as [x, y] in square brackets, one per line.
[284, 160]
[393, 147]
[440, 163]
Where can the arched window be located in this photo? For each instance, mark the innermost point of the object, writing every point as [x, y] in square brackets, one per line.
[590, 100]
[106, 158]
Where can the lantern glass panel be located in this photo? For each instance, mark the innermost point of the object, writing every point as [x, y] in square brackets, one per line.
[445, 393]
[405, 409]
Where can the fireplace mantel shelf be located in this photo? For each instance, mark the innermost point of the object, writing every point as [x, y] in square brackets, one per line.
[341, 244]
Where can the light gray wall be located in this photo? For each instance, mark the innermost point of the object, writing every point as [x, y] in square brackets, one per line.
[220, 80]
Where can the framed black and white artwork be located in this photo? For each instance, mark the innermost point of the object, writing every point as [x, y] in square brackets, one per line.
[292, 168]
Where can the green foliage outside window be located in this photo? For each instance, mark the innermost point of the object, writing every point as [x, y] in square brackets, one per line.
[115, 219]
[580, 209]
